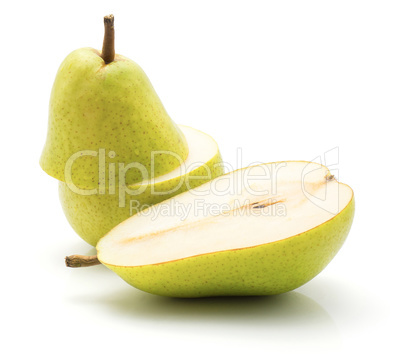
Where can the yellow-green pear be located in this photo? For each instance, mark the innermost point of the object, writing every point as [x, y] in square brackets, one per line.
[108, 133]
[262, 230]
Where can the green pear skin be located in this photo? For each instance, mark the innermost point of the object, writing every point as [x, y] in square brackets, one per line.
[267, 269]
[114, 107]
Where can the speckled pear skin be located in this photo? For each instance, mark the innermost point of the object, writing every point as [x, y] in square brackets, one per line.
[113, 107]
[267, 269]
[92, 216]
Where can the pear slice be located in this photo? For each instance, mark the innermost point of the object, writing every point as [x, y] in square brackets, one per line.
[261, 230]
[92, 216]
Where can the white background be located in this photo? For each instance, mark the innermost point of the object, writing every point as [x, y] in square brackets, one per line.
[281, 80]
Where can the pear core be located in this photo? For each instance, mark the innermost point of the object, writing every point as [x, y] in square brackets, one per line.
[250, 207]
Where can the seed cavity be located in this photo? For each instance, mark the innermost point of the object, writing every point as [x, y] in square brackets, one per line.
[265, 203]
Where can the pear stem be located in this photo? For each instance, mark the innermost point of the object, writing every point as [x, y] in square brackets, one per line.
[108, 39]
[81, 261]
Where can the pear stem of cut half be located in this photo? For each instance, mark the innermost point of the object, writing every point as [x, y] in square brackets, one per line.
[81, 261]
[108, 40]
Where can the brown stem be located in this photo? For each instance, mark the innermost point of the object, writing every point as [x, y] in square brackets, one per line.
[108, 39]
[81, 261]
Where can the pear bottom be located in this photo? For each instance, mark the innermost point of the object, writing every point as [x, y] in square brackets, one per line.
[266, 269]
[92, 216]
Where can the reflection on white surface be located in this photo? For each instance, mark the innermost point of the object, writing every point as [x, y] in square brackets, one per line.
[290, 319]
[287, 320]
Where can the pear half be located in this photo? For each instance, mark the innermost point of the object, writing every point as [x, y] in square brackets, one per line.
[262, 230]
[92, 216]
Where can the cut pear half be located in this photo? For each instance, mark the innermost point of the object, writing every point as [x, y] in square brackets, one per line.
[261, 230]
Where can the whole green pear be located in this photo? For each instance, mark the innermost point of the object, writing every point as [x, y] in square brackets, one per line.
[109, 136]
